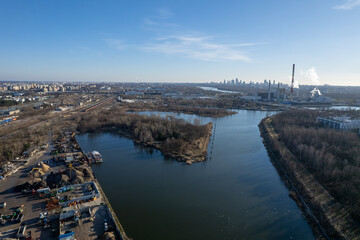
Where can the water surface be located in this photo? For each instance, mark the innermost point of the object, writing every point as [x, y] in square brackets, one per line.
[216, 90]
[235, 194]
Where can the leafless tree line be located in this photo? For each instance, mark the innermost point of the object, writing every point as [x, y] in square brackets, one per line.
[332, 156]
[169, 133]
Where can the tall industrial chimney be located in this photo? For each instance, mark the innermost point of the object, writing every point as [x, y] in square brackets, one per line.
[292, 80]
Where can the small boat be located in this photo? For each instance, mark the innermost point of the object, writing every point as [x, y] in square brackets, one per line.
[97, 157]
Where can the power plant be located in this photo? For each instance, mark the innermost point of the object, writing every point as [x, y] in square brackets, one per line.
[283, 93]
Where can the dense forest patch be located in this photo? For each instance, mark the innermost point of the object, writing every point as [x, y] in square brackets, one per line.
[332, 156]
[174, 137]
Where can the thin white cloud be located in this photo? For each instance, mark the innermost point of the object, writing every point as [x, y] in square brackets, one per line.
[158, 19]
[174, 39]
[198, 47]
[162, 13]
[116, 43]
[149, 22]
[348, 5]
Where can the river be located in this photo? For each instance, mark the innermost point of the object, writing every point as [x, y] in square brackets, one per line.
[216, 90]
[235, 194]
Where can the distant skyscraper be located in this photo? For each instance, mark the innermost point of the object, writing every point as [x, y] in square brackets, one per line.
[224, 81]
[232, 81]
[237, 81]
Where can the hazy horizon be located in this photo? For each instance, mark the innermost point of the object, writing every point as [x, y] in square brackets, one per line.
[166, 82]
[186, 41]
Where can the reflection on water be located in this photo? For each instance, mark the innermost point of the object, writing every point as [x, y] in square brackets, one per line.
[217, 90]
[235, 194]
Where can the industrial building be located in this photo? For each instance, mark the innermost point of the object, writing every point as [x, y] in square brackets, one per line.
[342, 123]
[316, 96]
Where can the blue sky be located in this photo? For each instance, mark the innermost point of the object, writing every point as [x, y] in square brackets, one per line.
[180, 41]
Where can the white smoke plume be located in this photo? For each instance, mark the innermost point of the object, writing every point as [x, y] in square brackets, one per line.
[312, 75]
[296, 82]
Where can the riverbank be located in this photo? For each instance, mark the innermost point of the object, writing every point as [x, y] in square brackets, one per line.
[329, 216]
[119, 229]
[42, 211]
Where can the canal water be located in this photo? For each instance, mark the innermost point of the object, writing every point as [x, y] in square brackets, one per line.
[235, 194]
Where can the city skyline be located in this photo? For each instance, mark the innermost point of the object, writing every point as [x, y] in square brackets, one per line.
[180, 42]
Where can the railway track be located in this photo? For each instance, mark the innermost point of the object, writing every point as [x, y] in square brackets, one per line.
[9, 129]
